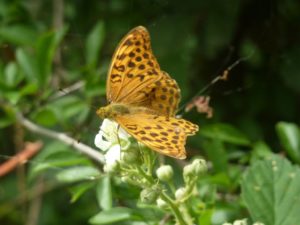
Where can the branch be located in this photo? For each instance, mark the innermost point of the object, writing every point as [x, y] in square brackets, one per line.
[67, 90]
[80, 147]
[22, 157]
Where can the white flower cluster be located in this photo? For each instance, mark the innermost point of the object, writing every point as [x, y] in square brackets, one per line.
[111, 139]
[242, 222]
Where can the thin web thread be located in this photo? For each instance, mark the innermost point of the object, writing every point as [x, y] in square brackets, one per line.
[215, 80]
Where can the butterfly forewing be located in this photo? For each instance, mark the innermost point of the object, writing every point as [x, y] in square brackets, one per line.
[133, 69]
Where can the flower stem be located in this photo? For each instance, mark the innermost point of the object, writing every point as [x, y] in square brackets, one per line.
[145, 175]
[174, 208]
[165, 197]
[189, 190]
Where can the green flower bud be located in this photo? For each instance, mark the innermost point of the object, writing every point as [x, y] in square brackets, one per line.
[131, 156]
[196, 168]
[149, 195]
[165, 173]
[188, 173]
[161, 204]
[180, 193]
[199, 166]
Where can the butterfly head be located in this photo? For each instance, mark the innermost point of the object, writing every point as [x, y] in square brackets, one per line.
[105, 112]
[112, 110]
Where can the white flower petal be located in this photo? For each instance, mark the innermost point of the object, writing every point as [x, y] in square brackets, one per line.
[101, 143]
[110, 134]
[113, 155]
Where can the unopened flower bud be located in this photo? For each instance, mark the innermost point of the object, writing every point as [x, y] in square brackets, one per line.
[149, 195]
[200, 166]
[161, 203]
[227, 224]
[131, 156]
[240, 222]
[180, 193]
[196, 168]
[188, 173]
[164, 173]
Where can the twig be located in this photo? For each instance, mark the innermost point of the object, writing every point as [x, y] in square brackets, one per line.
[67, 90]
[35, 203]
[78, 146]
[19, 166]
[22, 157]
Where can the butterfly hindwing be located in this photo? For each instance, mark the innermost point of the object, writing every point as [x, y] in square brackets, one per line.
[166, 135]
[166, 97]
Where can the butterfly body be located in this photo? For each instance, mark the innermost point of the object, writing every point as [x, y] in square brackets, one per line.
[113, 110]
[143, 99]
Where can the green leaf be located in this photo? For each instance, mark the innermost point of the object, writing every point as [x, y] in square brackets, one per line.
[54, 157]
[289, 136]
[205, 218]
[220, 179]
[12, 96]
[104, 193]
[7, 116]
[113, 215]
[45, 49]
[45, 117]
[260, 151]
[270, 189]
[12, 76]
[216, 153]
[79, 173]
[94, 43]
[29, 88]
[70, 106]
[18, 34]
[28, 64]
[226, 133]
[78, 190]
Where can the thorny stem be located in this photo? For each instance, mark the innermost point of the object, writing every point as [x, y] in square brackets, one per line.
[189, 190]
[172, 187]
[166, 198]
[145, 175]
[174, 208]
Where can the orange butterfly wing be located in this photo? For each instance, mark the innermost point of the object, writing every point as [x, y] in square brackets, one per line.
[164, 135]
[165, 97]
[133, 69]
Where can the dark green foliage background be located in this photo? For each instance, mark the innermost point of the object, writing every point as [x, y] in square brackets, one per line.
[193, 40]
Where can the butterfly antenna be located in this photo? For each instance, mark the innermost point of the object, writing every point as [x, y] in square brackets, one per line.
[223, 76]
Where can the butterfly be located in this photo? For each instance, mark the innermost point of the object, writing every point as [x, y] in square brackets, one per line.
[143, 99]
